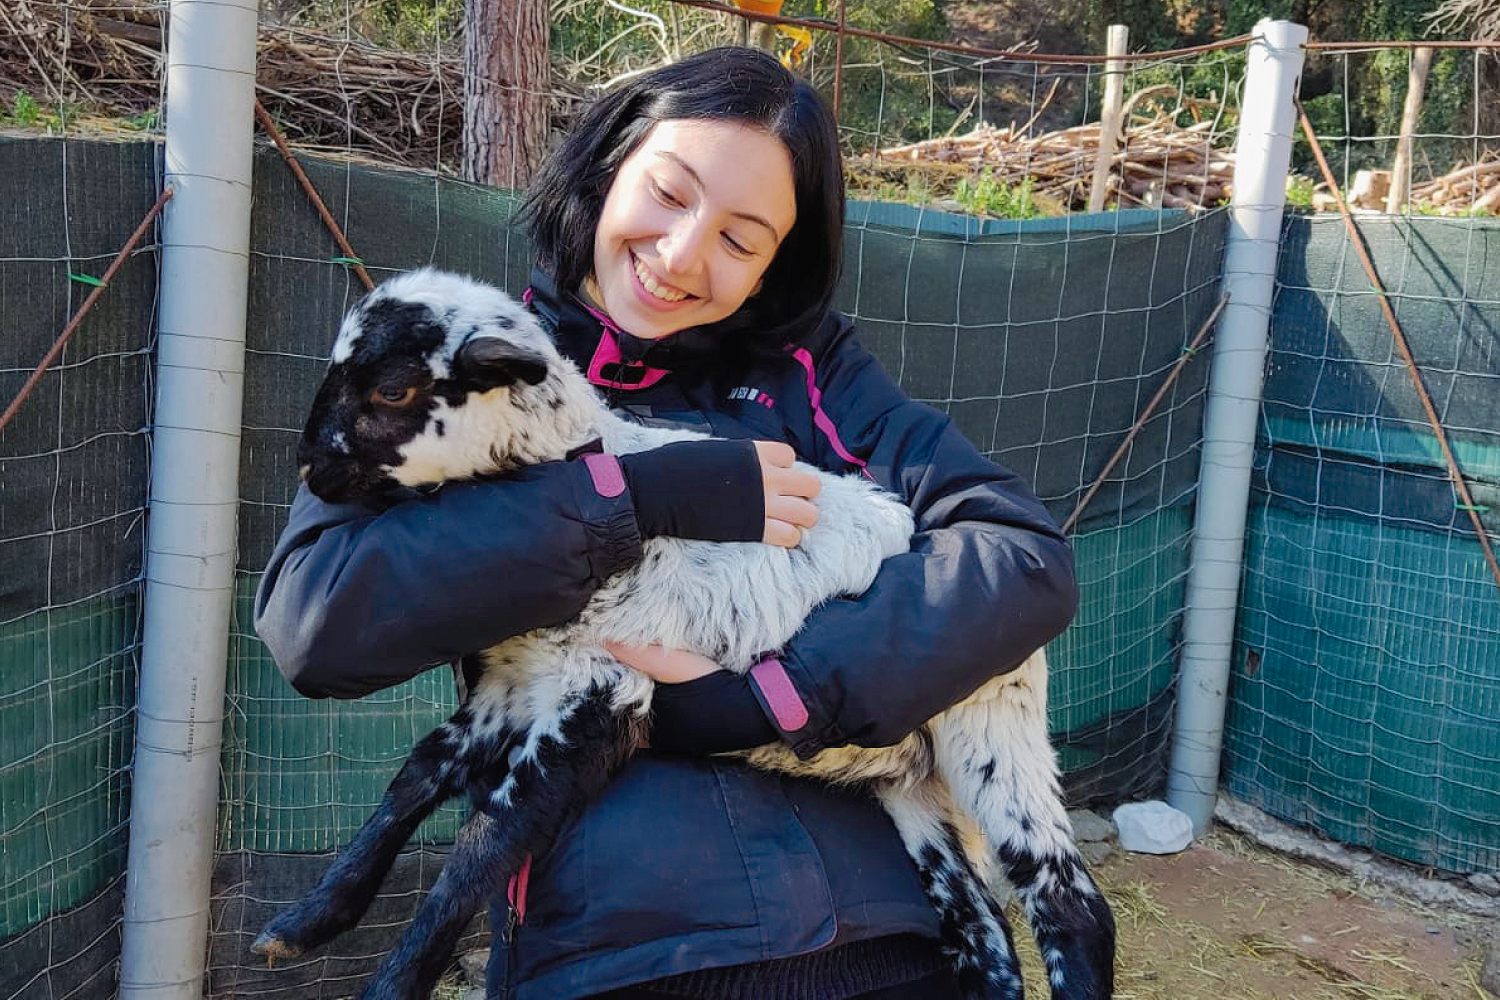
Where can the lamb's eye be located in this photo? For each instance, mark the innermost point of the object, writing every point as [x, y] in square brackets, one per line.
[394, 398]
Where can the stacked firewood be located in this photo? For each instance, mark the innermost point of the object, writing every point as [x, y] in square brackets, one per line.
[1159, 163]
[1467, 190]
[1472, 190]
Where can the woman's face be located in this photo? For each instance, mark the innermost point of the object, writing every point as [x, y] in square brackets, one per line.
[690, 224]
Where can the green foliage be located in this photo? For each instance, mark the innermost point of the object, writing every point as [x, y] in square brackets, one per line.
[912, 191]
[910, 18]
[24, 109]
[1365, 98]
[27, 112]
[1151, 23]
[400, 24]
[596, 42]
[988, 196]
[1212, 79]
[886, 95]
[146, 120]
[1299, 193]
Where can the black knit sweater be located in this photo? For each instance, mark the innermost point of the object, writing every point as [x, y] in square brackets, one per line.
[831, 974]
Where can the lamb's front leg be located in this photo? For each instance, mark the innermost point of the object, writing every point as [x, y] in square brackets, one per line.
[976, 935]
[437, 769]
[564, 761]
[994, 753]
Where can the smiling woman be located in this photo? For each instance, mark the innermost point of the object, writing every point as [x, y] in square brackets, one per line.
[692, 221]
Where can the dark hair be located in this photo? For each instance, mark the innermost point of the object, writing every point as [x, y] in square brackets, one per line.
[562, 208]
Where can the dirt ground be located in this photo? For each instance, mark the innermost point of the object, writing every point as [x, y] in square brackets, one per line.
[1229, 920]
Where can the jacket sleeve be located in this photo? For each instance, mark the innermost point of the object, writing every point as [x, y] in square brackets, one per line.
[988, 581]
[360, 597]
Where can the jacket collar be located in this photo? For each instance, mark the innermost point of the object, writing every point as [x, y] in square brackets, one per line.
[589, 337]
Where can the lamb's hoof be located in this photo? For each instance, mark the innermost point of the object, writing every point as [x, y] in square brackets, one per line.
[274, 947]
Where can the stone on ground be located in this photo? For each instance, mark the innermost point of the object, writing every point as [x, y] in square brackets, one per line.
[1153, 828]
[1489, 978]
[1089, 826]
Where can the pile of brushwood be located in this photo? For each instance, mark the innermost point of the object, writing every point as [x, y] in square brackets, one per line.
[101, 61]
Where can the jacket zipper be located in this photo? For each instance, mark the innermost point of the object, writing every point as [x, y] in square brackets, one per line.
[508, 938]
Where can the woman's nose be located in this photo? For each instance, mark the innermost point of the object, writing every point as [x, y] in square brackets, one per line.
[679, 247]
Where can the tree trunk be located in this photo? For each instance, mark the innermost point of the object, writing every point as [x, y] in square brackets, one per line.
[1416, 85]
[505, 90]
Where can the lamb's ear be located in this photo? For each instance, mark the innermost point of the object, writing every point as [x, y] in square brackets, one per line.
[490, 362]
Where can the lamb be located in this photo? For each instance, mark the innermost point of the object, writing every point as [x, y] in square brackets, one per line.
[471, 386]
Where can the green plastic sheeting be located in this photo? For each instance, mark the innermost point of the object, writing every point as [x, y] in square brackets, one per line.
[1365, 700]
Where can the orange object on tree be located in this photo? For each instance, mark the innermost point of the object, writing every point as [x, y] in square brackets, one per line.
[760, 6]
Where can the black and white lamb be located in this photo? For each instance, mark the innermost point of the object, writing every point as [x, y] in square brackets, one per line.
[469, 384]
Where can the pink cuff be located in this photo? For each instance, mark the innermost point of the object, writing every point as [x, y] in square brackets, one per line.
[609, 481]
[786, 705]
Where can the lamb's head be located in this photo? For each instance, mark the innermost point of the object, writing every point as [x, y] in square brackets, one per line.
[434, 377]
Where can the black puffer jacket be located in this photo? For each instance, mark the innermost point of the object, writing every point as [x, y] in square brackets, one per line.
[687, 863]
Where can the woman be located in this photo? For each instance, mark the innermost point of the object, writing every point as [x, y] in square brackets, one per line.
[689, 238]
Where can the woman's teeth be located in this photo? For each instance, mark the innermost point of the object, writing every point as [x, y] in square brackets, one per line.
[663, 292]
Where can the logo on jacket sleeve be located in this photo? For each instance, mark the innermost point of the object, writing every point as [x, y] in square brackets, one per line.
[751, 394]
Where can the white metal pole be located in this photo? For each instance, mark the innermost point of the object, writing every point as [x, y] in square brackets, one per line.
[1262, 157]
[1116, 44]
[190, 555]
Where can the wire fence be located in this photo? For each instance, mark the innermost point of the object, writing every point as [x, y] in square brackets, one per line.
[1364, 698]
[73, 479]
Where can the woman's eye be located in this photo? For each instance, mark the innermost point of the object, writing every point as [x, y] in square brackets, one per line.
[394, 398]
[666, 196]
[736, 246]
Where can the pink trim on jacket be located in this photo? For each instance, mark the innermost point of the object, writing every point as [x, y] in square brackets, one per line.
[515, 891]
[821, 419]
[608, 353]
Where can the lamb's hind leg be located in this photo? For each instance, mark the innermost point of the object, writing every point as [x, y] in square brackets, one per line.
[436, 770]
[563, 762]
[976, 935]
[995, 755]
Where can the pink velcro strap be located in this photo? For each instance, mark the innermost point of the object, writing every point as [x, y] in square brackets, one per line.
[786, 705]
[609, 481]
[516, 890]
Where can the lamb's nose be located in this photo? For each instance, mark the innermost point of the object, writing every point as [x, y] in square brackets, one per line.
[333, 481]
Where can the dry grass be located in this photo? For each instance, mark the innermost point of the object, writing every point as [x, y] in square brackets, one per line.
[1182, 936]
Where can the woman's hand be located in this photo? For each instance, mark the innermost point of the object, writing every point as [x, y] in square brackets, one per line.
[789, 493]
[706, 489]
[665, 666]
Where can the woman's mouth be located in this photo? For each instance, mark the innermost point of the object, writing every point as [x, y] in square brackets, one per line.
[657, 290]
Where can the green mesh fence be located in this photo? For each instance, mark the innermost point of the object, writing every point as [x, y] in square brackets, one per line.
[1112, 670]
[1042, 340]
[1365, 700]
[73, 486]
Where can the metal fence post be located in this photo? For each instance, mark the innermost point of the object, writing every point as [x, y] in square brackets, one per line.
[1263, 154]
[1111, 128]
[190, 556]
